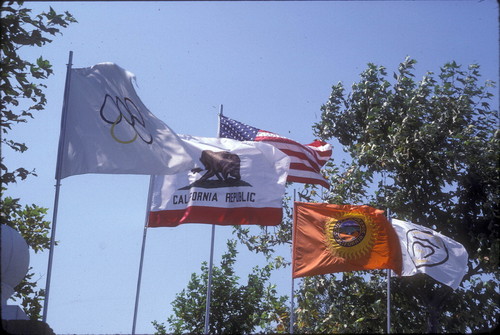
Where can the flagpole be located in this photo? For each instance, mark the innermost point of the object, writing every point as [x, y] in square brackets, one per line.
[209, 285]
[388, 287]
[210, 267]
[388, 301]
[143, 248]
[220, 114]
[62, 134]
[292, 303]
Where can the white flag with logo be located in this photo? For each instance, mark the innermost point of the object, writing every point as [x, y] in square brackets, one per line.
[107, 129]
[233, 183]
[427, 251]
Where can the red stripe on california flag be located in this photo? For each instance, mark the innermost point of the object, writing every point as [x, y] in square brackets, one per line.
[266, 216]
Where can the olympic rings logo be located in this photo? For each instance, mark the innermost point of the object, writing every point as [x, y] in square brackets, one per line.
[128, 112]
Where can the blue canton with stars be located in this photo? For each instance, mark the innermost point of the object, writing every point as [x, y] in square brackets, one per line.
[236, 130]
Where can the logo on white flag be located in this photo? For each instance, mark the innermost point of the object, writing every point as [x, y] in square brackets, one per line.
[222, 164]
[107, 128]
[222, 169]
[133, 125]
[426, 249]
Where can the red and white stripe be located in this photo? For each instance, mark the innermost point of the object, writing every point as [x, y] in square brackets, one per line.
[305, 160]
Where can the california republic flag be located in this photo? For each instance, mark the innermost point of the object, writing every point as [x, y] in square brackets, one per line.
[232, 183]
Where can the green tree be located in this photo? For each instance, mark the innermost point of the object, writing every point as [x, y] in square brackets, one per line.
[428, 151]
[22, 94]
[435, 143]
[235, 308]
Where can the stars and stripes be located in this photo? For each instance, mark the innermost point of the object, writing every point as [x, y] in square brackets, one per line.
[306, 160]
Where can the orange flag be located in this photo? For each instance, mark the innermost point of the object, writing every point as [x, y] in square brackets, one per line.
[340, 238]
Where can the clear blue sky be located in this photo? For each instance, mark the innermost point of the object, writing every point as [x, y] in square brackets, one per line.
[271, 64]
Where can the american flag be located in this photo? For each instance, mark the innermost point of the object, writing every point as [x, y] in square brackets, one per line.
[306, 160]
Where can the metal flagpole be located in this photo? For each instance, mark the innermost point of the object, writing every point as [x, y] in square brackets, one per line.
[58, 185]
[292, 303]
[388, 270]
[388, 301]
[141, 262]
[389, 287]
[209, 284]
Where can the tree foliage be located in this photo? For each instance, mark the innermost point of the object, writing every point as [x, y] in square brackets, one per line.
[235, 308]
[436, 142]
[433, 147]
[428, 151]
[22, 80]
[22, 94]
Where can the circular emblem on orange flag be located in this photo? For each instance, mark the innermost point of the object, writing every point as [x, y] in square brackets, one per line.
[350, 235]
